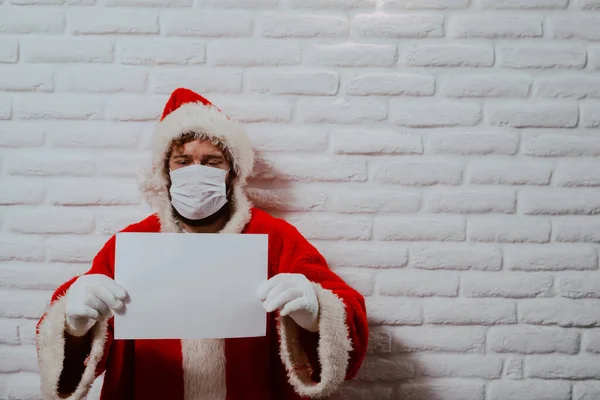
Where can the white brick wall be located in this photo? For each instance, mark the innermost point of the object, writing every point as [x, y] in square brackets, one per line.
[442, 154]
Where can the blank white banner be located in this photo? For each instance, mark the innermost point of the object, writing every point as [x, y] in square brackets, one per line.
[191, 286]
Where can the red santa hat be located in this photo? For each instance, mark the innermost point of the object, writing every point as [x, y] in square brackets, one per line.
[188, 112]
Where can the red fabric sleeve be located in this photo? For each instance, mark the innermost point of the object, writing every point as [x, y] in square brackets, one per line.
[70, 371]
[299, 256]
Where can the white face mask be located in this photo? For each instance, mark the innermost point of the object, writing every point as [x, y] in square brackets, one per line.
[198, 191]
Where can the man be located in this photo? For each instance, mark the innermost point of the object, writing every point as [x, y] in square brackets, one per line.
[317, 328]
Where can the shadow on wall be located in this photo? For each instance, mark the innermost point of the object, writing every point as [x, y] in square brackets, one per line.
[388, 376]
[271, 190]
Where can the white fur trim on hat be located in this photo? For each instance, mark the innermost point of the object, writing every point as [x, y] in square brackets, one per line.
[208, 120]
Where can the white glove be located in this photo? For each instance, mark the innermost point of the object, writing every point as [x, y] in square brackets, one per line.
[91, 298]
[293, 295]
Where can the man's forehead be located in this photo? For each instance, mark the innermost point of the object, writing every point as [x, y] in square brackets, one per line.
[198, 147]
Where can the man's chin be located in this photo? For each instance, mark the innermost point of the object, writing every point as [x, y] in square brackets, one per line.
[223, 212]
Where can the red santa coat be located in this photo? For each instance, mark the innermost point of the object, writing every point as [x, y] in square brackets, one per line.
[288, 363]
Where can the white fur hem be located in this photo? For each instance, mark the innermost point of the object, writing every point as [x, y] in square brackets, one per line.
[51, 353]
[333, 349]
[204, 369]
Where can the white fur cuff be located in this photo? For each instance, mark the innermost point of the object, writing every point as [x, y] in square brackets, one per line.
[333, 349]
[51, 352]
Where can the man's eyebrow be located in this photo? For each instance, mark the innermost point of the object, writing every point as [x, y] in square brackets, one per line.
[181, 156]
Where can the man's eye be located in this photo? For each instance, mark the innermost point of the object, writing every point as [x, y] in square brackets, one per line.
[181, 163]
[214, 163]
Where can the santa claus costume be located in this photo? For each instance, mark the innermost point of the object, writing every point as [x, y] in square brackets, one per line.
[288, 363]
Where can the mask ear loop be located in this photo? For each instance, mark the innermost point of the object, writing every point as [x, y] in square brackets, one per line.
[231, 187]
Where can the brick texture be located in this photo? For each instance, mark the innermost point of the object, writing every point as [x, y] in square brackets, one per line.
[441, 154]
